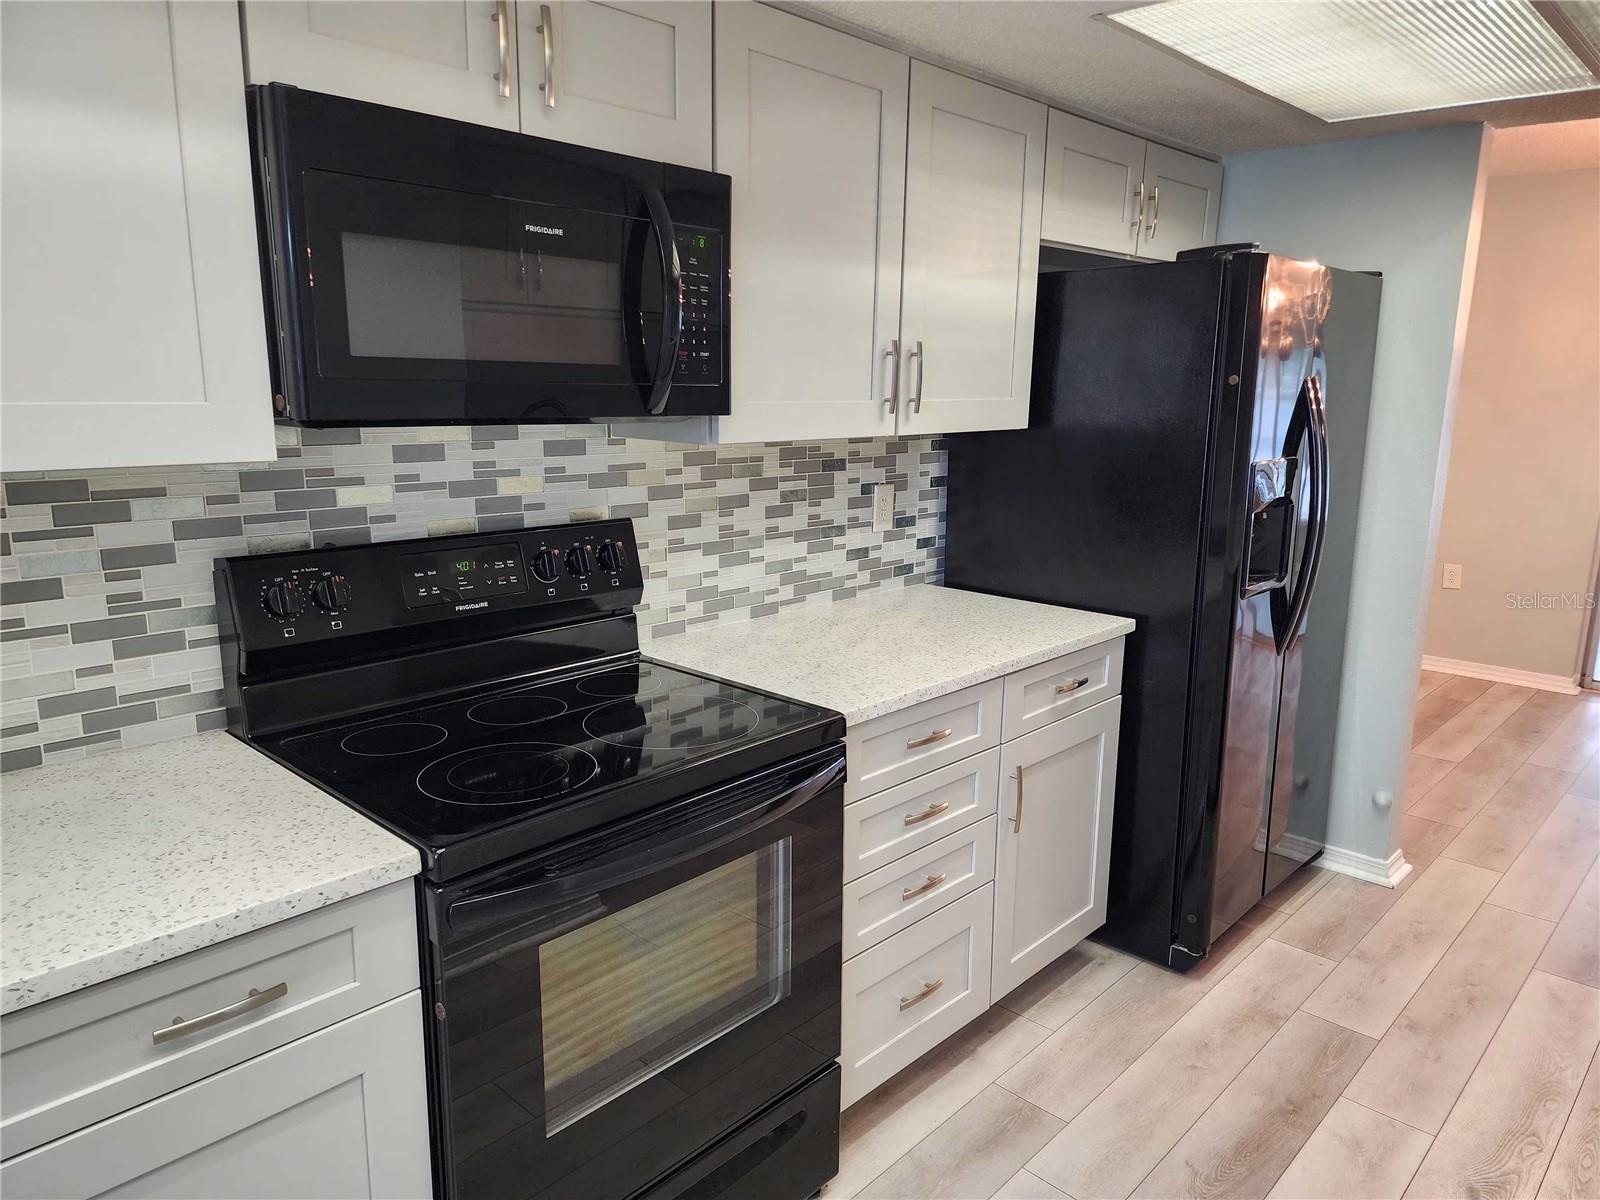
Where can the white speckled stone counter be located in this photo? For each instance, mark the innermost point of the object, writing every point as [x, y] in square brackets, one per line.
[873, 655]
[138, 856]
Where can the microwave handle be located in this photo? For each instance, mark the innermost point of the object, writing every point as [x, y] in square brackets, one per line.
[645, 857]
[672, 301]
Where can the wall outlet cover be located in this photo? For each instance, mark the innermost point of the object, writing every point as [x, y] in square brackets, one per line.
[1452, 576]
[882, 507]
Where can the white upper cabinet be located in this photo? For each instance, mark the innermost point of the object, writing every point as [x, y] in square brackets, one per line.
[974, 182]
[129, 275]
[1108, 190]
[811, 125]
[452, 58]
[1182, 193]
[1091, 185]
[634, 78]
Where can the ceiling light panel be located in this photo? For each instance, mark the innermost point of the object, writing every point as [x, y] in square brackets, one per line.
[1342, 60]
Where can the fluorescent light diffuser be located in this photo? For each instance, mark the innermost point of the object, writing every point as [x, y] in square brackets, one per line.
[1342, 60]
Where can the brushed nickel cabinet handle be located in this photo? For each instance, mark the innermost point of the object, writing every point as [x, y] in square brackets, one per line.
[182, 1027]
[502, 18]
[922, 370]
[1017, 820]
[1155, 208]
[938, 735]
[927, 885]
[1072, 685]
[891, 375]
[547, 32]
[1138, 212]
[927, 814]
[928, 989]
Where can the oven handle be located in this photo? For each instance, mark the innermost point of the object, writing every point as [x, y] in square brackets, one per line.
[672, 301]
[644, 856]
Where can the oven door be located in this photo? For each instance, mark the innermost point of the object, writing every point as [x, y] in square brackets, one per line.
[611, 1007]
[430, 304]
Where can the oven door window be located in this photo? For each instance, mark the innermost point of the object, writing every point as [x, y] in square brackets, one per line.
[418, 283]
[625, 997]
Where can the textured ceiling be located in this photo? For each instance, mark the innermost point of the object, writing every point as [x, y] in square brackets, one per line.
[1533, 149]
[1057, 50]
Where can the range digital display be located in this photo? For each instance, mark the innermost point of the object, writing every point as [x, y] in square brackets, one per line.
[455, 578]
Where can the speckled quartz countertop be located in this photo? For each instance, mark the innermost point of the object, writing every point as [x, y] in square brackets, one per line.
[137, 856]
[875, 654]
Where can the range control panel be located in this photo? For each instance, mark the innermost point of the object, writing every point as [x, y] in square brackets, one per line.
[282, 600]
[700, 349]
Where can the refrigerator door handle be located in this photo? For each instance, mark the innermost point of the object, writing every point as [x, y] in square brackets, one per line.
[1317, 526]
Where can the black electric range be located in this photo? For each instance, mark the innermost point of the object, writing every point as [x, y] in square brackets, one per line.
[630, 894]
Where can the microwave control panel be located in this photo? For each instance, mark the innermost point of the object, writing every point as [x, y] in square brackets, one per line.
[700, 350]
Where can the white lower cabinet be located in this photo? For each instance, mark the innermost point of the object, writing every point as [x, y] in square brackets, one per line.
[909, 993]
[949, 905]
[340, 1113]
[284, 1062]
[1057, 788]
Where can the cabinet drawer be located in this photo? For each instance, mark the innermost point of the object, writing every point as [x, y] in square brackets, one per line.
[913, 741]
[1052, 690]
[911, 991]
[78, 1059]
[341, 1113]
[898, 895]
[898, 820]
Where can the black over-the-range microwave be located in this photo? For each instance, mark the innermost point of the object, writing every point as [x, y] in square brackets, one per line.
[425, 271]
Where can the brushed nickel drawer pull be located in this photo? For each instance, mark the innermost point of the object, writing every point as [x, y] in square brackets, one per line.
[928, 989]
[931, 882]
[938, 735]
[1072, 685]
[182, 1027]
[927, 814]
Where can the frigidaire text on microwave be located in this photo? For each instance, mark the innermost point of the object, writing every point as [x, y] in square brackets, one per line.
[427, 271]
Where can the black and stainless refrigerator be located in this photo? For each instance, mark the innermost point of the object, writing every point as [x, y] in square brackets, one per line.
[1193, 460]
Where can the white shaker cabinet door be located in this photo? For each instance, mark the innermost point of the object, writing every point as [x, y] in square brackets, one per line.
[1182, 195]
[629, 77]
[129, 275]
[811, 125]
[341, 1113]
[974, 185]
[1091, 185]
[451, 58]
[1057, 787]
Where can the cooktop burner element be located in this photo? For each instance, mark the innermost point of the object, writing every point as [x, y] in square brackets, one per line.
[613, 685]
[511, 773]
[696, 719]
[396, 737]
[518, 709]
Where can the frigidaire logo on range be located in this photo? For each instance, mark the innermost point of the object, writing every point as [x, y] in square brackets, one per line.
[545, 229]
[470, 607]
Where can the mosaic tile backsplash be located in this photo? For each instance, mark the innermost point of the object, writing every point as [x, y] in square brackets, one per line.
[108, 631]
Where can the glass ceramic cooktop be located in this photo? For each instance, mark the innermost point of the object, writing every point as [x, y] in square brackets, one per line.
[447, 771]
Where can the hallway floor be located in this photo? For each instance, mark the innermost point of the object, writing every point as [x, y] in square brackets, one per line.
[1344, 1040]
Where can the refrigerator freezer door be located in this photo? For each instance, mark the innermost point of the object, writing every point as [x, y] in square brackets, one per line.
[1314, 661]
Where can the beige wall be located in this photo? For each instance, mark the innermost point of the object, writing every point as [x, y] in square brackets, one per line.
[1522, 501]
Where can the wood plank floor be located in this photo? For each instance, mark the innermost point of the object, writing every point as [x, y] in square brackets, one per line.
[1344, 1040]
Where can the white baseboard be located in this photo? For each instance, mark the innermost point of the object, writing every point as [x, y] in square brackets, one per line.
[1386, 872]
[1567, 685]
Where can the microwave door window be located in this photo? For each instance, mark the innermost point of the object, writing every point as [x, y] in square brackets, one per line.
[415, 299]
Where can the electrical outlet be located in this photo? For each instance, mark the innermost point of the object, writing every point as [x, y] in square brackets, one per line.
[1452, 577]
[882, 507]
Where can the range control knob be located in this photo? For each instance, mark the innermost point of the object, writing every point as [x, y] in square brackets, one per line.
[546, 566]
[580, 561]
[612, 556]
[331, 593]
[283, 600]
